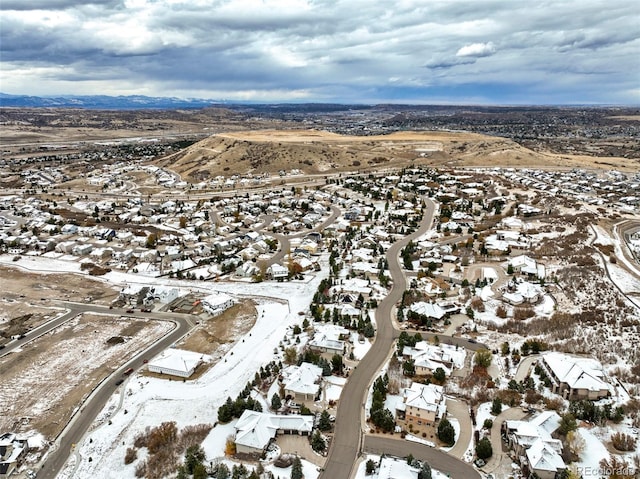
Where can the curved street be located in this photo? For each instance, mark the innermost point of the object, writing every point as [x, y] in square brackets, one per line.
[436, 458]
[93, 405]
[348, 438]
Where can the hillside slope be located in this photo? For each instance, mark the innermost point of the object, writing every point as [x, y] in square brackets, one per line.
[317, 152]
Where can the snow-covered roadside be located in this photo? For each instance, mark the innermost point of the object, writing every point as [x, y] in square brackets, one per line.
[150, 401]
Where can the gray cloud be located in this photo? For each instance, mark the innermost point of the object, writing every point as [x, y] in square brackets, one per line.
[338, 50]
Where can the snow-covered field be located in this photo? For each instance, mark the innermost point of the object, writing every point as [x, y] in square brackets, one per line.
[149, 401]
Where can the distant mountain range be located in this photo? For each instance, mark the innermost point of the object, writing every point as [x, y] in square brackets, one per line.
[104, 102]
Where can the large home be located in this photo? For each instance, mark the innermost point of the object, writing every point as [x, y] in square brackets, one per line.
[575, 377]
[536, 450]
[255, 430]
[423, 405]
[301, 383]
[217, 303]
[277, 271]
[328, 339]
[429, 357]
[429, 310]
[175, 362]
[526, 265]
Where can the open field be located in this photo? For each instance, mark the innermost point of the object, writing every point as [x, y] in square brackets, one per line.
[45, 382]
[29, 299]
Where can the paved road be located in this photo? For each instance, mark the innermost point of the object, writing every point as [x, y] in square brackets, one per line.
[37, 332]
[346, 443]
[283, 240]
[436, 458]
[83, 419]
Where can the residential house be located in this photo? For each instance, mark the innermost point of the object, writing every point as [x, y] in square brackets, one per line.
[301, 383]
[429, 310]
[255, 430]
[176, 362]
[536, 450]
[217, 303]
[423, 405]
[428, 357]
[277, 271]
[575, 377]
[12, 453]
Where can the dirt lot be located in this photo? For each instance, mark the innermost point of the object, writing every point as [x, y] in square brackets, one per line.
[28, 300]
[44, 382]
[223, 329]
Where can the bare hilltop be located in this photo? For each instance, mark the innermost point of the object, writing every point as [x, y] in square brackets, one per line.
[318, 152]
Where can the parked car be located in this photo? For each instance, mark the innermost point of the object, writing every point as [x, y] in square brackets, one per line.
[119, 382]
[128, 371]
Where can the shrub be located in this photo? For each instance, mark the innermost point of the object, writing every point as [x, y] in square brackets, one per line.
[523, 312]
[130, 455]
[501, 311]
[162, 436]
[483, 449]
[230, 447]
[477, 304]
[488, 424]
[623, 442]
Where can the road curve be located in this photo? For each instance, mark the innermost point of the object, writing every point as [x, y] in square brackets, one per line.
[436, 458]
[82, 420]
[346, 444]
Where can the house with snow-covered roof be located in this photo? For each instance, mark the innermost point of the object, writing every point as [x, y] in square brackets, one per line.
[526, 265]
[535, 448]
[575, 377]
[301, 383]
[217, 303]
[175, 362]
[255, 430]
[12, 452]
[423, 405]
[429, 310]
[428, 357]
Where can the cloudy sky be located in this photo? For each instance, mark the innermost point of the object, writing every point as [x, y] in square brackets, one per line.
[355, 51]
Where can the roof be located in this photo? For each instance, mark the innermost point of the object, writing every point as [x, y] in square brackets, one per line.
[255, 429]
[431, 310]
[177, 360]
[424, 396]
[543, 457]
[302, 379]
[578, 373]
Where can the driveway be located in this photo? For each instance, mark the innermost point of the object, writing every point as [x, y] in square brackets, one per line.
[460, 411]
[500, 454]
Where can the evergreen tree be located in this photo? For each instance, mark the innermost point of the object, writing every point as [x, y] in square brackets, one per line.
[276, 402]
[318, 443]
[483, 449]
[425, 471]
[194, 456]
[324, 423]
[370, 467]
[446, 432]
[296, 469]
